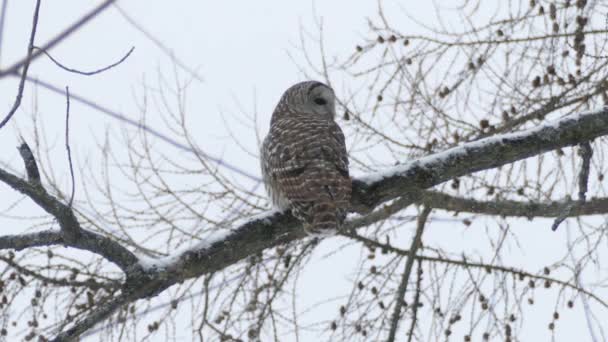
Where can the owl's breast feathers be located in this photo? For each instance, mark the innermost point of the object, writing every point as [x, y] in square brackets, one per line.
[305, 167]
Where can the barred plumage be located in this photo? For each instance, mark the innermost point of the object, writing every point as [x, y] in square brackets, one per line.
[304, 159]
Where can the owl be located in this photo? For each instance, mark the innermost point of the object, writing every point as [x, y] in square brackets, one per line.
[304, 159]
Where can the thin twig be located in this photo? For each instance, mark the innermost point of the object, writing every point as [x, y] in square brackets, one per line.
[416, 243]
[154, 132]
[99, 314]
[26, 66]
[67, 143]
[87, 73]
[57, 39]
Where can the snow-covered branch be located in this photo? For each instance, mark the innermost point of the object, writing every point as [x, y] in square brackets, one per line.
[406, 183]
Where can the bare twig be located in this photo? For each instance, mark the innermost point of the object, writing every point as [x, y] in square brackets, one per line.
[26, 66]
[99, 314]
[87, 73]
[67, 144]
[158, 43]
[57, 39]
[154, 132]
[416, 244]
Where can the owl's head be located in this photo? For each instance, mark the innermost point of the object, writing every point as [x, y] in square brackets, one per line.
[307, 98]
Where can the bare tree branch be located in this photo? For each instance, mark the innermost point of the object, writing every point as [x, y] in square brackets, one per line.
[506, 208]
[148, 129]
[26, 66]
[57, 39]
[404, 182]
[158, 44]
[87, 73]
[102, 312]
[72, 234]
[23, 241]
[400, 294]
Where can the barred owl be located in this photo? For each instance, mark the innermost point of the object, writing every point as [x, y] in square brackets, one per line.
[304, 160]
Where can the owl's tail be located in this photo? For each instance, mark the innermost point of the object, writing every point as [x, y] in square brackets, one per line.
[327, 219]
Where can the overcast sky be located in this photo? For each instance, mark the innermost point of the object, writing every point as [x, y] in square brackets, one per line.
[247, 53]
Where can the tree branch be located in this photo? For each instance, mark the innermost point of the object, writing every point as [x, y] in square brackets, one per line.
[26, 66]
[404, 182]
[57, 39]
[71, 233]
[23, 241]
[416, 244]
[87, 73]
[505, 208]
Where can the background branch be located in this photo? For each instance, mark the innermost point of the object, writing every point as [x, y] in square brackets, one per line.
[26, 66]
[400, 294]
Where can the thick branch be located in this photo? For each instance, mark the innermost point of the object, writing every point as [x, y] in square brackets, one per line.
[23, 241]
[405, 182]
[476, 156]
[72, 234]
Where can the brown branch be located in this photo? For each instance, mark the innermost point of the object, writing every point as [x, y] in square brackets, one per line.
[416, 244]
[26, 66]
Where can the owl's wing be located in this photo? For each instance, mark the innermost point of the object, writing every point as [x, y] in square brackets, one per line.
[339, 155]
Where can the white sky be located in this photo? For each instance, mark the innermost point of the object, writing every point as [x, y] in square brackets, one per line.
[242, 50]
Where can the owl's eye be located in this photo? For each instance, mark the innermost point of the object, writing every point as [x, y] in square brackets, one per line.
[320, 101]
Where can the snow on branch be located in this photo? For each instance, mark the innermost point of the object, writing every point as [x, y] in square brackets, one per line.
[405, 184]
